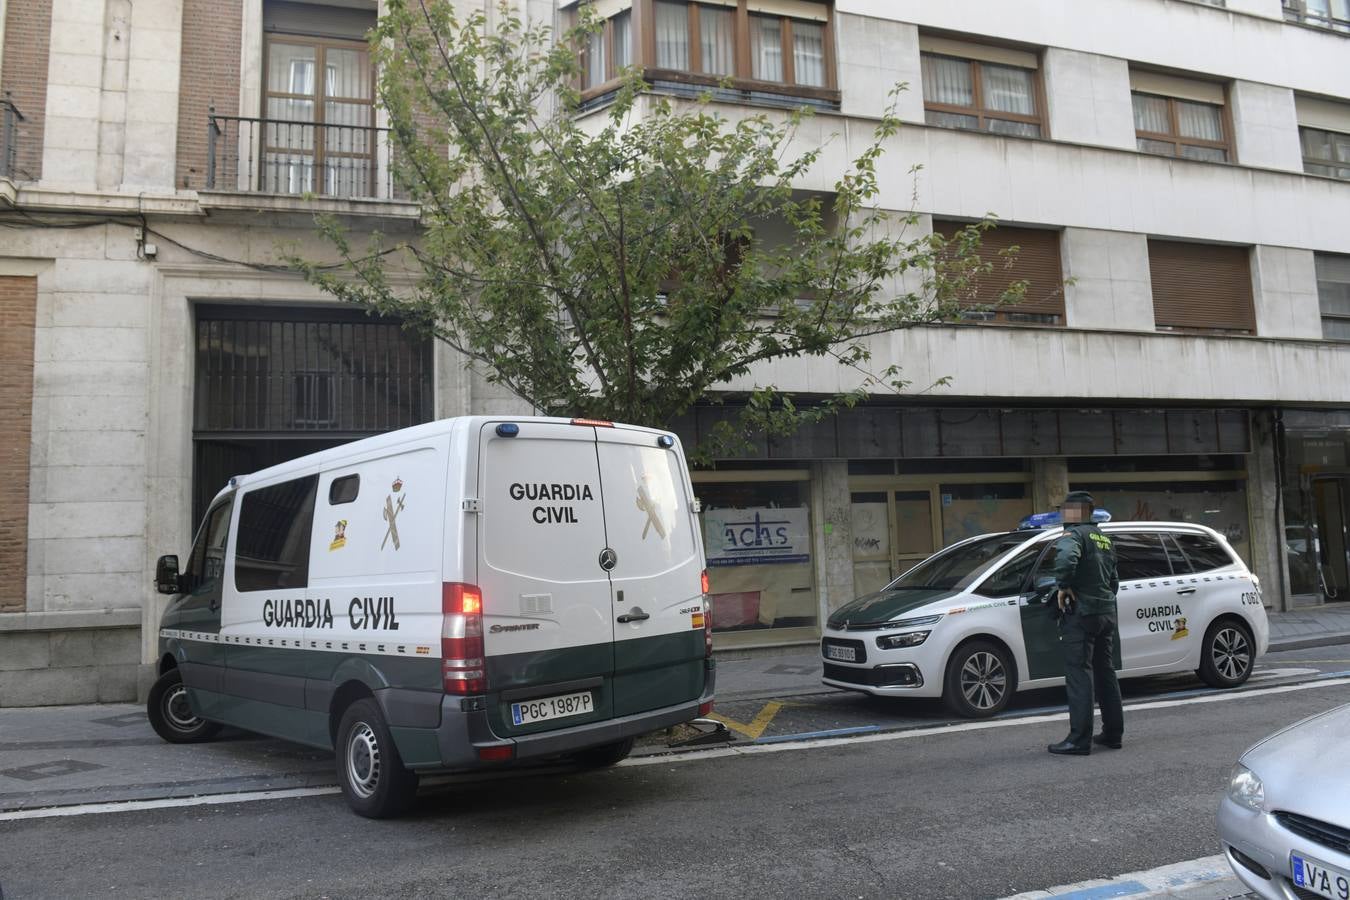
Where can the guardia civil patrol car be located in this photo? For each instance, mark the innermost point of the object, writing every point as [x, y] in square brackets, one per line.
[465, 593]
[977, 621]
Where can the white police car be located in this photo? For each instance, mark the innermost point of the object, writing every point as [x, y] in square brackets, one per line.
[976, 622]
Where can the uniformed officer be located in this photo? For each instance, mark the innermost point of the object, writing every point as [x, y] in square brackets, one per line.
[1086, 581]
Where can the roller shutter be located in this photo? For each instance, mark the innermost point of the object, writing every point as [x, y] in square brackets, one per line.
[1202, 287]
[1037, 261]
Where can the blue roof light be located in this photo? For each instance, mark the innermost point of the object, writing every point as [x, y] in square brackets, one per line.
[508, 429]
[1053, 519]
[666, 441]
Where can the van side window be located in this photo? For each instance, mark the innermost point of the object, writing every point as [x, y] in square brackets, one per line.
[1140, 555]
[273, 544]
[1204, 552]
[206, 565]
[344, 489]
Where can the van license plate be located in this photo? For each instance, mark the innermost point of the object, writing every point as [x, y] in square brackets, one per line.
[552, 708]
[1317, 878]
[843, 654]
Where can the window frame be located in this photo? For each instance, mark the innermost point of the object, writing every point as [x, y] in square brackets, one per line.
[642, 29]
[319, 154]
[1318, 161]
[1176, 139]
[979, 111]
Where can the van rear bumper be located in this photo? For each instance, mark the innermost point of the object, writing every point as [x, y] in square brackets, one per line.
[463, 733]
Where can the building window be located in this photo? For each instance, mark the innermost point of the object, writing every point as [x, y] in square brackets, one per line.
[1205, 288]
[1037, 260]
[981, 88]
[1333, 14]
[1325, 152]
[1180, 117]
[748, 41]
[1333, 295]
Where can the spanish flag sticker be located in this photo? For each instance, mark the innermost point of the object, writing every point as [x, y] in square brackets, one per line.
[696, 620]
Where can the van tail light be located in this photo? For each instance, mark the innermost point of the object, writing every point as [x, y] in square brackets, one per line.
[707, 617]
[463, 666]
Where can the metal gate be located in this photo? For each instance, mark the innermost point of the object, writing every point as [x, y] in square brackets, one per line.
[274, 383]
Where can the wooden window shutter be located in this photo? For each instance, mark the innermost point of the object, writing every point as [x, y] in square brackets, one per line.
[1037, 261]
[1204, 287]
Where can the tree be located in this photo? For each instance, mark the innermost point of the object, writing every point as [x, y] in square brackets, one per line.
[612, 263]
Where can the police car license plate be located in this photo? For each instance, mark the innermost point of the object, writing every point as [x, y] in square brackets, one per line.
[1319, 878]
[559, 707]
[843, 654]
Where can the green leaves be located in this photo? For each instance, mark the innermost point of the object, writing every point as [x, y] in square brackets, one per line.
[627, 259]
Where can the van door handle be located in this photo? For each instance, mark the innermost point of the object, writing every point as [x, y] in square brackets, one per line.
[1186, 592]
[636, 616]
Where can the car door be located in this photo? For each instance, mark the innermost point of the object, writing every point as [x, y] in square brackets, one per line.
[1215, 583]
[195, 613]
[657, 573]
[547, 608]
[1040, 616]
[1150, 601]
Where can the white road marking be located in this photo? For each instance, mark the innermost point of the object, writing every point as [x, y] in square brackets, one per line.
[670, 758]
[825, 743]
[1159, 882]
[90, 809]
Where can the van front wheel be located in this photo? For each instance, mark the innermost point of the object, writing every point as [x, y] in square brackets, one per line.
[171, 715]
[369, 769]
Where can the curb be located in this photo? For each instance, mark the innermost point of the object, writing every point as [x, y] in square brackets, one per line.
[1330, 640]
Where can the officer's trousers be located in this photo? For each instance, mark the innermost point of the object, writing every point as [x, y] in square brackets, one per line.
[1088, 644]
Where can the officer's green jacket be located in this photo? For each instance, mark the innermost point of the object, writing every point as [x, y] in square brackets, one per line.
[1085, 562]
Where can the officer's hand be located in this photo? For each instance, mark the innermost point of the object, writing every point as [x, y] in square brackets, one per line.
[1065, 599]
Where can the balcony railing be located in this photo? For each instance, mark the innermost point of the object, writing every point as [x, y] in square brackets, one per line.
[10, 117]
[270, 156]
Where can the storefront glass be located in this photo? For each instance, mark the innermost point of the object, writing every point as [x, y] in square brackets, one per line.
[1222, 505]
[1317, 512]
[758, 540]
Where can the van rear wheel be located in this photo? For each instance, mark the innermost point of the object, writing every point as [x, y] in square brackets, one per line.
[171, 714]
[605, 755]
[369, 769]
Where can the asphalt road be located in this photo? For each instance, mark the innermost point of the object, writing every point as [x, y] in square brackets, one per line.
[977, 812]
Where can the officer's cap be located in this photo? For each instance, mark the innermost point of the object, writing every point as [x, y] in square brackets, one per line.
[1079, 497]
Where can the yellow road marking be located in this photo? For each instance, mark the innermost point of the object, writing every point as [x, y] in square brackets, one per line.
[755, 727]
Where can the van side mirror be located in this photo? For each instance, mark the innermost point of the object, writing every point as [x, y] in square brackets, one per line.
[166, 575]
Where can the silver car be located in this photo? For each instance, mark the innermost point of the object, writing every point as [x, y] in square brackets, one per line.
[1285, 819]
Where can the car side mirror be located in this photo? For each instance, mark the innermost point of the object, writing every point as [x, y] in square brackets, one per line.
[1042, 586]
[166, 575]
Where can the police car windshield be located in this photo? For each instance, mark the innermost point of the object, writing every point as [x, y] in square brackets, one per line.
[958, 568]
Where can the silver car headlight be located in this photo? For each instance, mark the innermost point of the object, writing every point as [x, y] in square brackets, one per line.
[1245, 788]
[897, 641]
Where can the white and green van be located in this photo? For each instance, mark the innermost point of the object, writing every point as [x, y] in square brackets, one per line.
[466, 593]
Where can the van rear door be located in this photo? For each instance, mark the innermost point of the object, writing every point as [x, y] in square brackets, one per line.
[657, 571]
[547, 618]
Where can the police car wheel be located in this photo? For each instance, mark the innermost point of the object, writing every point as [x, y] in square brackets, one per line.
[979, 681]
[171, 715]
[1226, 656]
[371, 773]
[605, 755]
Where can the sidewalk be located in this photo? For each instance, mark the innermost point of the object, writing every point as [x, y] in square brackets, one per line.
[788, 671]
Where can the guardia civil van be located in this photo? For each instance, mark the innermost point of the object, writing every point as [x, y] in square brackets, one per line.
[460, 594]
[976, 622]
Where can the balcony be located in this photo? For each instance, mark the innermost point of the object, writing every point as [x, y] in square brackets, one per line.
[299, 159]
[10, 117]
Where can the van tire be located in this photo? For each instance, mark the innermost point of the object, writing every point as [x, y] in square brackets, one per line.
[605, 755]
[970, 663]
[171, 714]
[369, 769]
[1227, 654]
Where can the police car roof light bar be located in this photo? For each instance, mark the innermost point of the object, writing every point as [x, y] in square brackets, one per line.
[1054, 519]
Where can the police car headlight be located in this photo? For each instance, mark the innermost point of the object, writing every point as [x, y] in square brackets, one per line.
[1245, 788]
[896, 641]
